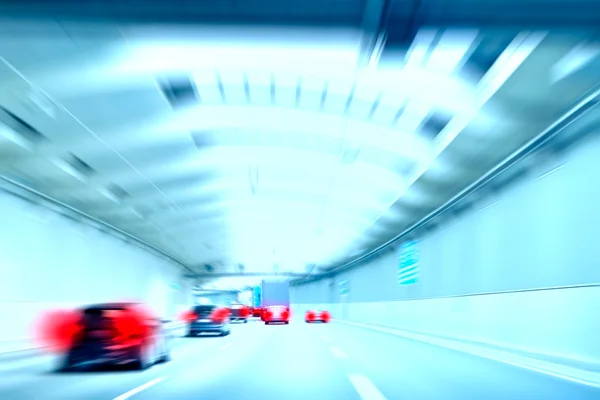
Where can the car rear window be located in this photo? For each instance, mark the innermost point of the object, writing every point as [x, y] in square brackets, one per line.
[203, 311]
[101, 322]
[97, 318]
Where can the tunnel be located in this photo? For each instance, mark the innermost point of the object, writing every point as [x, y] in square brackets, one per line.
[353, 200]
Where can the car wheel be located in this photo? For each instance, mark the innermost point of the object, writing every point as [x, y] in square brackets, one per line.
[143, 362]
[65, 364]
[287, 322]
[245, 321]
[166, 353]
[266, 323]
[166, 357]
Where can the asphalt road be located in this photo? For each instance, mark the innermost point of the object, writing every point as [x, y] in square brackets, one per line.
[293, 362]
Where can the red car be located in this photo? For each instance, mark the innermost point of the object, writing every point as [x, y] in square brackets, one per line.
[317, 316]
[107, 334]
[257, 312]
[273, 314]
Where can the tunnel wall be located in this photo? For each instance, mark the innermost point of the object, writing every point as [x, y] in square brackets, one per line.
[220, 299]
[540, 233]
[50, 261]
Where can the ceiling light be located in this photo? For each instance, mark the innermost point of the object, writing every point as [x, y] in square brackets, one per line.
[575, 60]
[109, 194]
[274, 119]
[69, 169]
[179, 57]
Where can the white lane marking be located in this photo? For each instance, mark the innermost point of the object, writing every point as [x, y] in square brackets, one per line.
[566, 373]
[338, 352]
[365, 388]
[138, 389]
[225, 346]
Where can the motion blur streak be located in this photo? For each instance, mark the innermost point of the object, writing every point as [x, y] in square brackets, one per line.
[133, 327]
[57, 330]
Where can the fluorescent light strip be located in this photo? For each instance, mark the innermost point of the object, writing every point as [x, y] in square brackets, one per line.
[65, 167]
[575, 60]
[273, 119]
[176, 57]
[9, 134]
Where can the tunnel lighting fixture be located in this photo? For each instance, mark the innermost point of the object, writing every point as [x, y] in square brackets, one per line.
[109, 194]
[66, 167]
[12, 136]
[577, 59]
[177, 56]
[271, 119]
[375, 56]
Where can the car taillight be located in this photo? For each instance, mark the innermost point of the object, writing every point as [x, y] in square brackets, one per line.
[134, 327]
[219, 315]
[285, 314]
[59, 330]
[188, 317]
[325, 316]
[267, 315]
[310, 316]
[244, 312]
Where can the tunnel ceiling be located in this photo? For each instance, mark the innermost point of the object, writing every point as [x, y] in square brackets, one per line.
[249, 150]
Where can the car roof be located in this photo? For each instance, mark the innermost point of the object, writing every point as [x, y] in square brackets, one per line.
[110, 306]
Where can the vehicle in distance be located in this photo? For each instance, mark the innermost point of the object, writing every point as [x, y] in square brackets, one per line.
[208, 319]
[116, 334]
[317, 316]
[239, 312]
[275, 298]
[257, 312]
[273, 314]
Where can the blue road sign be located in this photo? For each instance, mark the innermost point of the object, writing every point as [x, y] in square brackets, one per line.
[344, 287]
[408, 263]
[257, 298]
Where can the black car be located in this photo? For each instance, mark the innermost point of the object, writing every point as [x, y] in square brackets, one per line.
[208, 319]
[117, 334]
